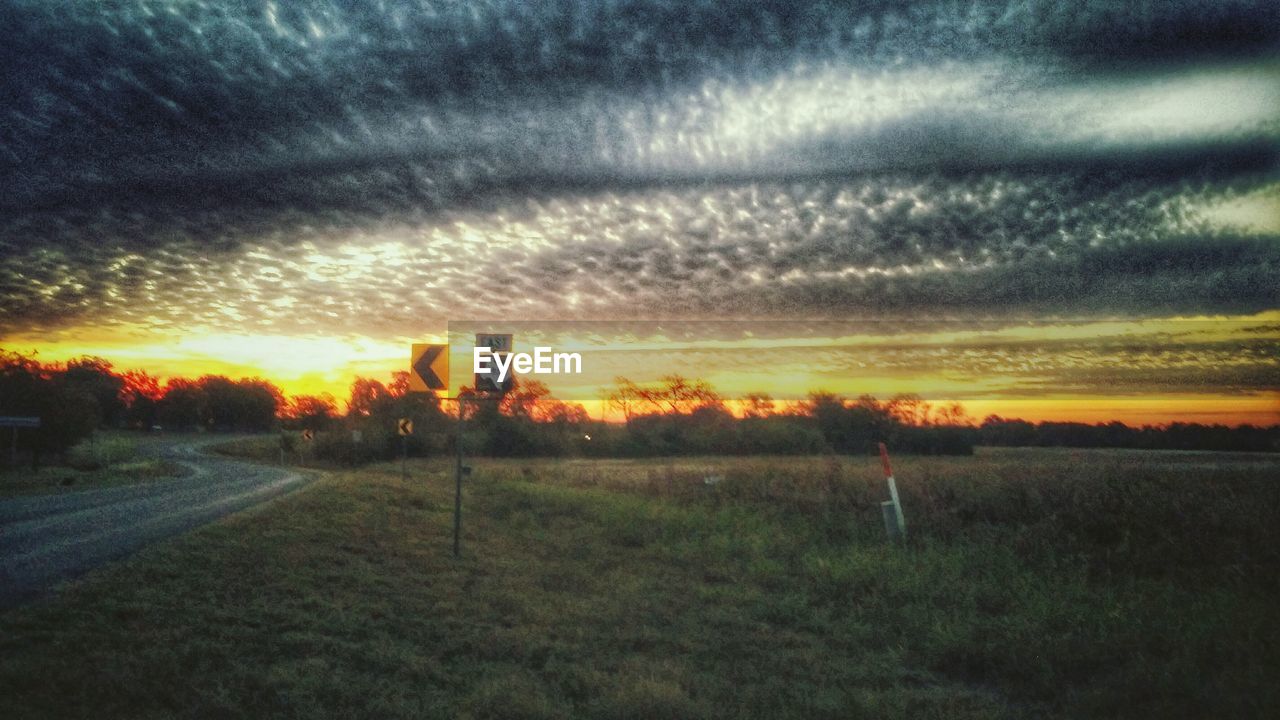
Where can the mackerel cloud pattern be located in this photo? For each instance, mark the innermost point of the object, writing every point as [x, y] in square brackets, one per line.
[297, 167]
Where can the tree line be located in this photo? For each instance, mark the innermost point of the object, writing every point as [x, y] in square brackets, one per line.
[999, 431]
[74, 398]
[676, 416]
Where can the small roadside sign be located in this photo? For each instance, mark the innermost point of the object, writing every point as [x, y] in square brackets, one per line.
[16, 422]
[428, 367]
[499, 344]
[405, 426]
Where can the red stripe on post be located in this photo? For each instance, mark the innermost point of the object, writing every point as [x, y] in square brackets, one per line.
[884, 460]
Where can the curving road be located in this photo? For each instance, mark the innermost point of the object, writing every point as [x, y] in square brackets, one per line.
[47, 539]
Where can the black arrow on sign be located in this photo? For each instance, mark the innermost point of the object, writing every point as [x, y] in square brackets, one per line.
[423, 367]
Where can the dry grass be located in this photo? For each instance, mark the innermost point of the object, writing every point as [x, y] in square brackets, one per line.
[617, 589]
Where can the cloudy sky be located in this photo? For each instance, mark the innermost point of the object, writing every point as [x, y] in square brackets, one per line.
[300, 189]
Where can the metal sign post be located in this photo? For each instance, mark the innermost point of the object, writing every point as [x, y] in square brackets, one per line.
[429, 365]
[498, 344]
[15, 423]
[457, 484]
[404, 426]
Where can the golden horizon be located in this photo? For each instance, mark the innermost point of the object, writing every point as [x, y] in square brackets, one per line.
[982, 369]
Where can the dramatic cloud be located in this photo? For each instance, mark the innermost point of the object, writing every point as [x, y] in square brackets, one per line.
[326, 169]
[954, 360]
[987, 245]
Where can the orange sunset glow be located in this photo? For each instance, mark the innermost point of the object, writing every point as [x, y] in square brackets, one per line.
[1206, 370]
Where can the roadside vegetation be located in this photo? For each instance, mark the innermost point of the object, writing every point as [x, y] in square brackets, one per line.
[110, 458]
[1034, 583]
[673, 416]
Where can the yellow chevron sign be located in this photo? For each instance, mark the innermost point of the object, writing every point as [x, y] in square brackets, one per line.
[428, 368]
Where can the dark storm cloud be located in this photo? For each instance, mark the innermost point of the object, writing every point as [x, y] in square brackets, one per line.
[102, 93]
[225, 164]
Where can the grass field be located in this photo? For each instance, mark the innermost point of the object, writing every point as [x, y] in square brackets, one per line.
[1035, 583]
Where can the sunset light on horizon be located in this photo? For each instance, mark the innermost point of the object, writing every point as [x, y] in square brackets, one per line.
[1006, 223]
[1206, 370]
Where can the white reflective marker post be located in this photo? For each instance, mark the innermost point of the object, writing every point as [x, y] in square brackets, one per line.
[895, 524]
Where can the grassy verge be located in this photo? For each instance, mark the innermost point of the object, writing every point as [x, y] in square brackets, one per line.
[111, 459]
[262, 449]
[634, 589]
[266, 449]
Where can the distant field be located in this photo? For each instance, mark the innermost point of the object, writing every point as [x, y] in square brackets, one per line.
[1035, 583]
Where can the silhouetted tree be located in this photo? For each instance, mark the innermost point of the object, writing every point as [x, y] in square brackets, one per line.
[757, 405]
[250, 404]
[141, 394]
[366, 394]
[180, 406]
[93, 376]
[318, 412]
[68, 412]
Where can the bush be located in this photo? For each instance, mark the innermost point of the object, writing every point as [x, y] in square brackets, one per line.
[934, 440]
[779, 436]
[95, 454]
[340, 449]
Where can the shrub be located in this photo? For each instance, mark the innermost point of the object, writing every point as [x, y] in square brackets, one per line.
[94, 454]
[340, 449]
